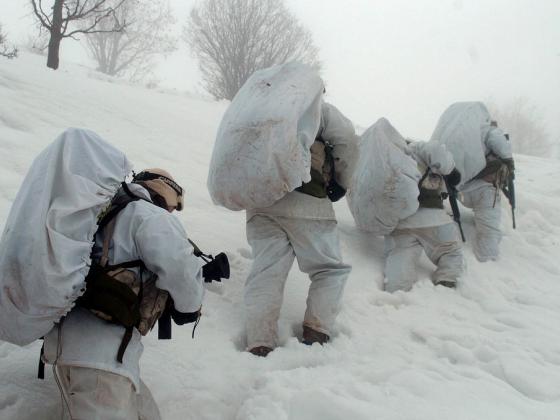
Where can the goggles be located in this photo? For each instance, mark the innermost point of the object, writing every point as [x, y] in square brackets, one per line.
[150, 176]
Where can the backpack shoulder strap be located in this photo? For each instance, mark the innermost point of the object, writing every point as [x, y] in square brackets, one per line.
[107, 224]
[424, 176]
[116, 208]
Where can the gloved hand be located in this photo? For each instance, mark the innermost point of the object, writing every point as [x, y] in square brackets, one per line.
[216, 269]
[453, 178]
[335, 191]
[181, 318]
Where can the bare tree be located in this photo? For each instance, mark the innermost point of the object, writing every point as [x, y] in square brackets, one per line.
[63, 14]
[133, 50]
[523, 122]
[233, 38]
[5, 50]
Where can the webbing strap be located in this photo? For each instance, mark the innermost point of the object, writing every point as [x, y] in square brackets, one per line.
[41, 368]
[127, 264]
[124, 343]
[116, 209]
[109, 229]
[164, 325]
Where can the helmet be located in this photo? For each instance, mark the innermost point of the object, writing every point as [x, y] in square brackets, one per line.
[163, 186]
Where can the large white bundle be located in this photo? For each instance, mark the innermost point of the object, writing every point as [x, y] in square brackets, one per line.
[385, 184]
[47, 240]
[262, 146]
[462, 128]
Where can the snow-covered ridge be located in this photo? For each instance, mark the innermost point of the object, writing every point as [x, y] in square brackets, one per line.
[489, 350]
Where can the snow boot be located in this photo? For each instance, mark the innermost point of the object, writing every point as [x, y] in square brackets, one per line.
[261, 351]
[311, 336]
[446, 283]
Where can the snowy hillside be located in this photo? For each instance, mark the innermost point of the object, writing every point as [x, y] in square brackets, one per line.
[487, 351]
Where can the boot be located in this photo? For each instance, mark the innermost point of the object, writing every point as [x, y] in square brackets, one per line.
[261, 351]
[445, 283]
[311, 336]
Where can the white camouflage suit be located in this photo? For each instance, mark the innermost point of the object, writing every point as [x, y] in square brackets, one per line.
[485, 200]
[84, 348]
[304, 227]
[429, 229]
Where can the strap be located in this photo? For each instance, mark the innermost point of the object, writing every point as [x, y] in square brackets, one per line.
[108, 223]
[124, 344]
[164, 325]
[196, 251]
[116, 209]
[196, 323]
[128, 331]
[329, 158]
[106, 241]
[127, 264]
[41, 368]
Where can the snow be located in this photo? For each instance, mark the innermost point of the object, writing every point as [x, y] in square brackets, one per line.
[489, 350]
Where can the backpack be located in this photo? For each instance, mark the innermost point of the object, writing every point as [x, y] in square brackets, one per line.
[462, 128]
[262, 149]
[47, 241]
[384, 187]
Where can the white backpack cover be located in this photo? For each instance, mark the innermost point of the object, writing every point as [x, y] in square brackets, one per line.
[462, 128]
[48, 237]
[262, 147]
[385, 184]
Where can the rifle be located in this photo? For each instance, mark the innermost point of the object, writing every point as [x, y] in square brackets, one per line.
[452, 195]
[509, 191]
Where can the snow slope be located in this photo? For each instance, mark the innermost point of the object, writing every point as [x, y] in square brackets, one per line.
[489, 350]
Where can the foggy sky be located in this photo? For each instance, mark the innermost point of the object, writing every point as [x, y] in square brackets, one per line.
[401, 59]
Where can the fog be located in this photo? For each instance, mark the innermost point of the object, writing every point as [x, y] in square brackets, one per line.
[404, 60]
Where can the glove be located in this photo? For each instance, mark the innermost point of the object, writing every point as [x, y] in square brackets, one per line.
[182, 318]
[453, 178]
[335, 191]
[216, 269]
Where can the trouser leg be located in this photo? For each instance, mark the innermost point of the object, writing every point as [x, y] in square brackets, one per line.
[403, 251]
[94, 394]
[485, 202]
[442, 245]
[147, 407]
[273, 257]
[317, 248]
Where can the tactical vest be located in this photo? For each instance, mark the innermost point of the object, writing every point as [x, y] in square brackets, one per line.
[495, 172]
[431, 189]
[322, 169]
[117, 294]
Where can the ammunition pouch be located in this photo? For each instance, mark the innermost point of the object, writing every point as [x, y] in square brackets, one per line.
[496, 170]
[316, 187]
[112, 295]
[430, 187]
[431, 199]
